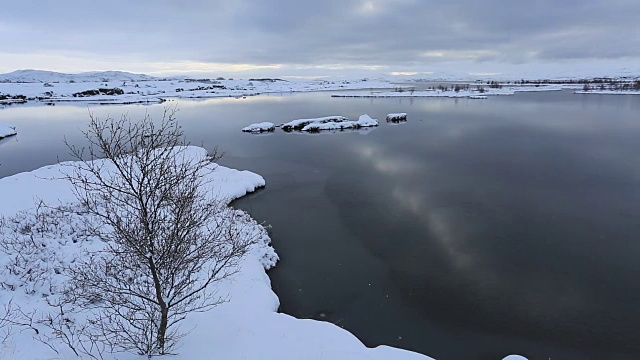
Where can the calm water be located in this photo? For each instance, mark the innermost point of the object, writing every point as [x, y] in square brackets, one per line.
[477, 229]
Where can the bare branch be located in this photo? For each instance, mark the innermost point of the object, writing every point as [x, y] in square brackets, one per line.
[167, 241]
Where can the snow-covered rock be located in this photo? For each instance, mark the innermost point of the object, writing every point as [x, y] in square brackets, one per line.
[314, 127]
[301, 123]
[363, 121]
[397, 117]
[366, 121]
[260, 127]
[7, 131]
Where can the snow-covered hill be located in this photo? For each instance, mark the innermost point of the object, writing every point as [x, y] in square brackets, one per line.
[511, 72]
[41, 76]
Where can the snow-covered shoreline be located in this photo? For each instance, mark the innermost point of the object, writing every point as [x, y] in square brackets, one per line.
[248, 326]
[6, 131]
[124, 88]
[608, 92]
[471, 93]
[114, 87]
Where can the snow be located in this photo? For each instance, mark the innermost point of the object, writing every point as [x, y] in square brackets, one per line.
[48, 87]
[478, 97]
[260, 127]
[366, 121]
[6, 131]
[397, 116]
[248, 326]
[329, 126]
[301, 123]
[515, 357]
[339, 123]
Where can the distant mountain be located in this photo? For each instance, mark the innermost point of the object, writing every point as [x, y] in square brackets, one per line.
[510, 72]
[41, 76]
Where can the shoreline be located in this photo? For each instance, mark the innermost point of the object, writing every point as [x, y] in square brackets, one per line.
[118, 92]
[159, 91]
[259, 330]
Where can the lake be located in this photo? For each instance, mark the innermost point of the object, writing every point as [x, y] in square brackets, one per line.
[477, 229]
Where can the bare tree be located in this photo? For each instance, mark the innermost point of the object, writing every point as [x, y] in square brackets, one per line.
[167, 237]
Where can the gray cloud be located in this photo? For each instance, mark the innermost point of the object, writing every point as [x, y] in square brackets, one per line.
[398, 34]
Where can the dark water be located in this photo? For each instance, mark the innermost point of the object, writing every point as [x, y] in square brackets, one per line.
[477, 229]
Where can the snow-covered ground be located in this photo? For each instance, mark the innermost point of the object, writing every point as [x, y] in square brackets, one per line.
[48, 87]
[7, 131]
[248, 326]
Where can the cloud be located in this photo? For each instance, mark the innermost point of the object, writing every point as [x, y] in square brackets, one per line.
[289, 34]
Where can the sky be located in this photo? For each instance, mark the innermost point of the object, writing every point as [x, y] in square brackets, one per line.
[298, 38]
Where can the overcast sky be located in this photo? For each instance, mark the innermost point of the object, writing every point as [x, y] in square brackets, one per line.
[316, 38]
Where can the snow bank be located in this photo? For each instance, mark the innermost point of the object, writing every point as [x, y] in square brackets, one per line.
[397, 117]
[6, 131]
[246, 327]
[259, 127]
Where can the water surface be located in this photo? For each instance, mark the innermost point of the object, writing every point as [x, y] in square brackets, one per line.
[476, 229]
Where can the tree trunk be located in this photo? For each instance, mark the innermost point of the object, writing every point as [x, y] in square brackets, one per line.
[162, 329]
[164, 310]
